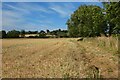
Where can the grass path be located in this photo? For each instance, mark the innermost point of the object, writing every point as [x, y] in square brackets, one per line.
[105, 61]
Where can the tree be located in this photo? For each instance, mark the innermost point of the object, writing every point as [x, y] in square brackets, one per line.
[112, 17]
[13, 34]
[42, 34]
[47, 31]
[72, 31]
[31, 32]
[22, 33]
[54, 32]
[2, 34]
[86, 21]
[61, 33]
[59, 30]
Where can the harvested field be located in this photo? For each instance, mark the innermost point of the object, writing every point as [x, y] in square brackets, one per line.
[59, 58]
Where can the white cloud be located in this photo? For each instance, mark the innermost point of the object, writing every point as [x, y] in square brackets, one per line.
[45, 21]
[31, 7]
[19, 16]
[59, 10]
[27, 8]
[11, 18]
[17, 8]
[64, 10]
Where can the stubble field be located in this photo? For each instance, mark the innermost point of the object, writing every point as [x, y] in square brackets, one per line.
[59, 58]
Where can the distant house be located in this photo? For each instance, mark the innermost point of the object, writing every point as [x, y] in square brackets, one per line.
[51, 36]
[36, 35]
[29, 35]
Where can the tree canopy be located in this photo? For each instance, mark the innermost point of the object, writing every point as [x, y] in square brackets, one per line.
[13, 34]
[92, 20]
[112, 17]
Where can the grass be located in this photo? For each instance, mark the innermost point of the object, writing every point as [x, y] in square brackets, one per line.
[66, 57]
[109, 44]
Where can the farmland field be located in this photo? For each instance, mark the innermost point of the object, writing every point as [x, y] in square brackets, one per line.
[59, 58]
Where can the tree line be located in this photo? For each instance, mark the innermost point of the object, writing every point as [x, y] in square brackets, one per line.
[92, 20]
[42, 34]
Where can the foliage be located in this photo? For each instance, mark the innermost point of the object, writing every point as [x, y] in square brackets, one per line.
[42, 34]
[47, 31]
[112, 10]
[91, 20]
[22, 33]
[59, 33]
[13, 34]
[31, 32]
[86, 21]
[3, 34]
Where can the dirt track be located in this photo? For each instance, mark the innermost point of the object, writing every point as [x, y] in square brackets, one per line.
[56, 58]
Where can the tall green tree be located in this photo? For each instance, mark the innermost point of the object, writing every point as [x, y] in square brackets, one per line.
[86, 21]
[72, 30]
[112, 17]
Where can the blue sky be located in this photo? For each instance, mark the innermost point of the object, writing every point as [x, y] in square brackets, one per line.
[38, 15]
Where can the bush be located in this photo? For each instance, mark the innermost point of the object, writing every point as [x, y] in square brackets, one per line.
[13, 34]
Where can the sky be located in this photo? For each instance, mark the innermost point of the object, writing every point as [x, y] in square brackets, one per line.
[36, 16]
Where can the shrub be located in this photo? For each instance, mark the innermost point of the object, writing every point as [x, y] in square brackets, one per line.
[13, 34]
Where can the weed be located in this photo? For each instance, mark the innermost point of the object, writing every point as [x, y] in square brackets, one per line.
[66, 75]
